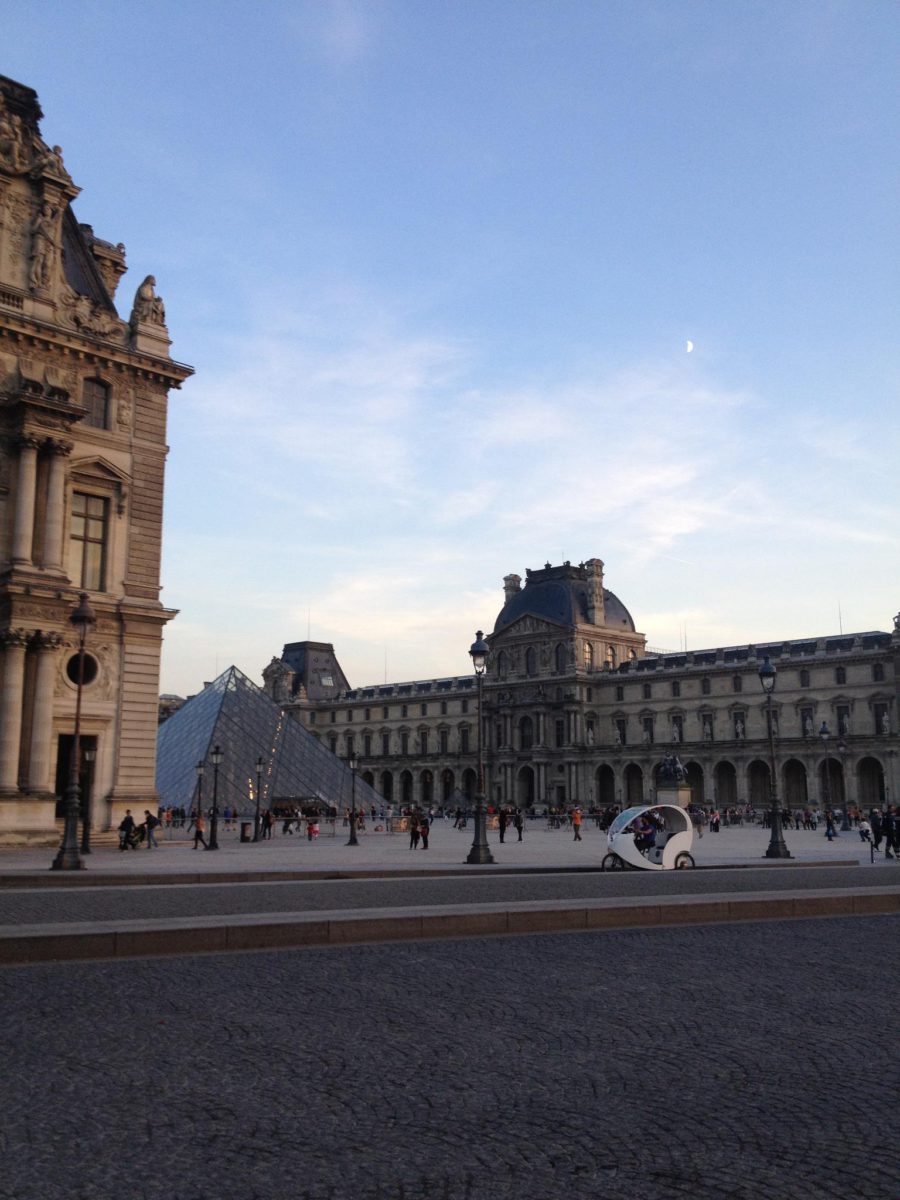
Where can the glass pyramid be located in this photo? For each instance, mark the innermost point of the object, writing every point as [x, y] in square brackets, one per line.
[236, 715]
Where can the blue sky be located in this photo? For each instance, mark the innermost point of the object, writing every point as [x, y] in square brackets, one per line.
[436, 266]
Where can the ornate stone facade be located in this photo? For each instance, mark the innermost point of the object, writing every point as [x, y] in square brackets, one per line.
[578, 710]
[83, 397]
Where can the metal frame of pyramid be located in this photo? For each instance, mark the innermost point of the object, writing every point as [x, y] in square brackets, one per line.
[236, 715]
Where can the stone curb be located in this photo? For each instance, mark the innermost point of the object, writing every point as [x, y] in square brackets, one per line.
[86, 879]
[23, 945]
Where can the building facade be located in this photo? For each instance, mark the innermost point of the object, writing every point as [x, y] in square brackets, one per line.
[577, 710]
[83, 401]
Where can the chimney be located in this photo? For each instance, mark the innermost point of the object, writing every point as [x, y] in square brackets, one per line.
[595, 609]
[511, 585]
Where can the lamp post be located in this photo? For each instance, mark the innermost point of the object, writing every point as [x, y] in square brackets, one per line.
[776, 847]
[480, 852]
[846, 827]
[259, 770]
[352, 764]
[215, 758]
[825, 734]
[86, 815]
[68, 858]
[200, 768]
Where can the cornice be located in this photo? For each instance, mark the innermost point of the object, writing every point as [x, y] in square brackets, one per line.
[47, 337]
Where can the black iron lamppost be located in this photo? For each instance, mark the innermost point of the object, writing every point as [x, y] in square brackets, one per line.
[215, 758]
[825, 734]
[846, 827]
[68, 858]
[86, 805]
[200, 768]
[480, 852]
[776, 847]
[352, 764]
[259, 770]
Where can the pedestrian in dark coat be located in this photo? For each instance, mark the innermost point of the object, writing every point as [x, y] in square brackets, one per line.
[423, 831]
[502, 822]
[890, 831]
[519, 822]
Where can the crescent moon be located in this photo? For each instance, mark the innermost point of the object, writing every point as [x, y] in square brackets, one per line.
[689, 347]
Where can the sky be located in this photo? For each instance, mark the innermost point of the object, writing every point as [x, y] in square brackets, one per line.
[437, 267]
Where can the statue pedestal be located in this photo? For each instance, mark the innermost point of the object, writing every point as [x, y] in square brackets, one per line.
[676, 793]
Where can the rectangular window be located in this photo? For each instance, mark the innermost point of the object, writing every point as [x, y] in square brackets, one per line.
[95, 398]
[312, 718]
[368, 716]
[737, 684]
[367, 746]
[404, 743]
[560, 728]
[465, 706]
[88, 540]
[385, 744]
[349, 714]
[620, 692]
[464, 740]
[445, 742]
[423, 742]
[424, 711]
[705, 687]
[676, 687]
[385, 712]
[333, 716]
[647, 691]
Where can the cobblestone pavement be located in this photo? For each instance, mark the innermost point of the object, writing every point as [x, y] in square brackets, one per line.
[742, 1062]
[134, 903]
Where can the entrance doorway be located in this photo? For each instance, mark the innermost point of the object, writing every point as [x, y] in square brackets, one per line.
[85, 773]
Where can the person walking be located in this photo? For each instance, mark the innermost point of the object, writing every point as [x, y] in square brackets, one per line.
[423, 831]
[891, 832]
[829, 825]
[502, 822]
[413, 832]
[150, 824]
[519, 822]
[199, 828]
[126, 831]
[576, 824]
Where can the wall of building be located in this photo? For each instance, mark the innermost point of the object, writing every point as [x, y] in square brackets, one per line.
[83, 403]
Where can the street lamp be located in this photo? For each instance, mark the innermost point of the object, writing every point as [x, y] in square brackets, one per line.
[776, 847]
[352, 764]
[480, 852]
[200, 768]
[846, 827]
[89, 755]
[68, 858]
[825, 734]
[259, 770]
[215, 758]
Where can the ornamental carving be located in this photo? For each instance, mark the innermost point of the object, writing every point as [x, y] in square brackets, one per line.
[92, 318]
[45, 245]
[46, 640]
[148, 308]
[15, 148]
[14, 637]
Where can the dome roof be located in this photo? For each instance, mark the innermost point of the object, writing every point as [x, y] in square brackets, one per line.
[562, 595]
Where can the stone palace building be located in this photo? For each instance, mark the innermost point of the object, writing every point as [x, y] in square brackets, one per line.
[577, 710]
[83, 397]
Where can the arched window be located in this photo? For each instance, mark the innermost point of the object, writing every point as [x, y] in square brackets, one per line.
[611, 657]
[502, 664]
[530, 661]
[526, 733]
[840, 675]
[95, 398]
[560, 657]
[588, 656]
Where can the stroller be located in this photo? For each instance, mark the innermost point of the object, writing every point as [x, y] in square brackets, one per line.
[132, 839]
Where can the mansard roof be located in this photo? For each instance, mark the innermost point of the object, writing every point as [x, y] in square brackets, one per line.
[561, 595]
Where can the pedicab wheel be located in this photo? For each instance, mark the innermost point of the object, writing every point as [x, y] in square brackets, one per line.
[611, 862]
[684, 862]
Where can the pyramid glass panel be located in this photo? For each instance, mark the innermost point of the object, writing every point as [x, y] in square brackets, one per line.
[238, 717]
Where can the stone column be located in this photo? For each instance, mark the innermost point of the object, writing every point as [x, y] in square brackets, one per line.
[56, 503]
[11, 691]
[46, 645]
[23, 530]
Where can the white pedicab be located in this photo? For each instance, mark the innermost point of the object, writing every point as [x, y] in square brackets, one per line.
[666, 849]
